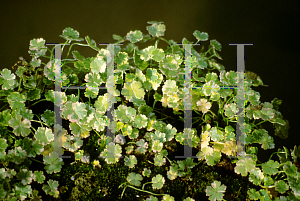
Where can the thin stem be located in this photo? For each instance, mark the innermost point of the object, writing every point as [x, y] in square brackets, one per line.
[121, 41]
[156, 43]
[163, 114]
[164, 40]
[3, 107]
[35, 160]
[208, 58]
[40, 122]
[213, 114]
[205, 53]
[148, 95]
[153, 103]
[85, 45]
[38, 102]
[261, 122]
[145, 191]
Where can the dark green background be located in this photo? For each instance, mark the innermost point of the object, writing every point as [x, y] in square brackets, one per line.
[272, 26]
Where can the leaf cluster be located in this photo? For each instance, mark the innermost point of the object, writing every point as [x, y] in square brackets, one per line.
[139, 74]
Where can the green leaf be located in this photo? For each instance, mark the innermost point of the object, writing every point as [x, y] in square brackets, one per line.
[276, 102]
[267, 142]
[129, 48]
[37, 47]
[281, 186]
[214, 158]
[134, 36]
[32, 148]
[158, 181]
[140, 63]
[8, 79]
[74, 111]
[16, 155]
[216, 45]
[173, 172]
[129, 149]
[146, 53]
[170, 65]
[125, 114]
[158, 54]
[154, 77]
[146, 172]
[22, 191]
[159, 160]
[231, 110]
[253, 194]
[133, 89]
[48, 117]
[53, 163]
[170, 87]
[216, 134]
[142, 146]
[290, 169]
[156, 30]
[117, 37]
[168, 198]
[112, 153]
[71, 34]
[157, 146]
[37, 44]
[25, 176]
[98, 65]
[72, 143]
[3, 146]
[21, 127]
[139, 74]
[77, 55]
[92, 43]
[215, 191]
[16, 100]
[140, 121]
[3, 174]
[282, 130]
[270, 167]
[51, 188]
[277, 121]
[33, 94]
[188, 199]
[256, 176]
[295, 153]
[243, 166]
[154, 22]
[130, 161]
[134, 179]
[44, 135]
[201, 36]
[39, 177]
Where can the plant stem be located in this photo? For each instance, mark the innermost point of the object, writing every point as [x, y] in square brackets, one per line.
[40, 122]
[164, 115]
[261, 122]
[38, 102]
[35, 160]
[145, 191]
[3, 107]
[164, 40]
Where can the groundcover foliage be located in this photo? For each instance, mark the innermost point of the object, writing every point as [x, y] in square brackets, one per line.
[139, 163]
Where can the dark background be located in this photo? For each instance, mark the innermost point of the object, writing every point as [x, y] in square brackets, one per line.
[272, 26]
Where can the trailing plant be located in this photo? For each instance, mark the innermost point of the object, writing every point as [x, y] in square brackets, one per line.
[148, 90]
